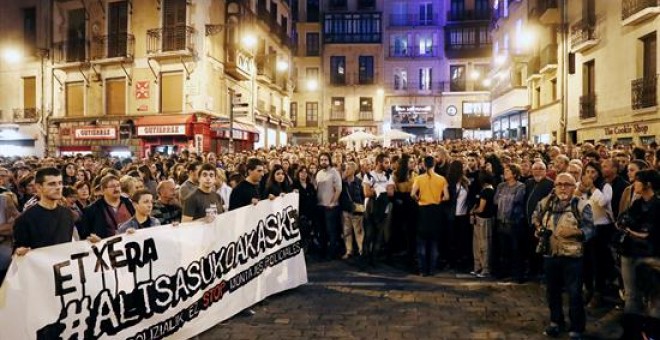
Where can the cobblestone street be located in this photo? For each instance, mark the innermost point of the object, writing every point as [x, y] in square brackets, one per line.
[344, 302]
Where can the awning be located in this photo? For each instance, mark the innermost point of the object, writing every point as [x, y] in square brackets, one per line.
[164, 120]
[241, 126]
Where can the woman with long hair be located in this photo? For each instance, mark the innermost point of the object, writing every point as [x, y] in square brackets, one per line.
[405, 208]
[69, 173]
[640, 249]
[276, 184]
[459, 220]
[599, 264]
[148, 179]
[629, 195]
[307, 204]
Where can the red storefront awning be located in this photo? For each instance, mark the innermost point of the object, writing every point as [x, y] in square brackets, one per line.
[164, 120]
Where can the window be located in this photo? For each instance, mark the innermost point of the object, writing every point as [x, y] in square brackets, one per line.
[537, 97]
[117, 29]
[174, 22]
[313, 11]
[426, 13]
[425, 78]
[171, 92]
[399, 15]
[352, 28]
[457, 81]
[338, 70]
[338, 4]
[76, 36]
[366, 104]
[650, 46]
[588, 78]
[400, 79]
[457, 9]
[553, 89]
[426, 46]
[399, 45]
[338, 105]
[30, 28]
[312, 113]
[476, 108]
[293, 112]
[366, 69]
[115, 97]
[312, 44]
[75, 99]
[29, 93]
[479, 74]
[366, 4]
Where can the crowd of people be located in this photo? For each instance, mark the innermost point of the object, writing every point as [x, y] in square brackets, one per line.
[581, 218]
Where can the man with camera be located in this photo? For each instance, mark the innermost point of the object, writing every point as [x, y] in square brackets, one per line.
[563, 223]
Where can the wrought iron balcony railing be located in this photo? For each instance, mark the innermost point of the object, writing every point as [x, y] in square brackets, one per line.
[468, 15]
[582, 32]
[69, 51]
[26, 115]
[414, 52]
[170, 39]
[588, 106]
[644, 92]
[404, 20]
[632, 7]
[337, 115]
[366, 115]
[549, 55]
[113, 46]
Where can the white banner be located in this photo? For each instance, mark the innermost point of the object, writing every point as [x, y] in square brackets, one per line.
[173, 282]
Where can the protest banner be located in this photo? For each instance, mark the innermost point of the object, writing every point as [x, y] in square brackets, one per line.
[168, 281]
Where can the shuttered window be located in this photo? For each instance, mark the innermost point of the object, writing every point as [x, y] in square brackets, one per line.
[171, 92]
[75, 99]
[115, 97]
[29, 93]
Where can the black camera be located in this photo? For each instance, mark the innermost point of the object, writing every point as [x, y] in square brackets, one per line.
[544, 241]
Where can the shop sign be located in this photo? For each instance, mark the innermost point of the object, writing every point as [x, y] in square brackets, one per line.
[626, 129]
[412, 115]
[161, 130]
[244, 62]
[101, 132]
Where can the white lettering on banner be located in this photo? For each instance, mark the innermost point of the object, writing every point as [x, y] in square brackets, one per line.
[95, 133]
[161, 130]
[152, 284]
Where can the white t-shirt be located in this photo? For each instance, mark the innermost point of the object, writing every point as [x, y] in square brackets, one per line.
[378, 181]
[461, 200]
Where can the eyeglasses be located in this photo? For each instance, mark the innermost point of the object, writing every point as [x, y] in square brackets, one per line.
[564, 185]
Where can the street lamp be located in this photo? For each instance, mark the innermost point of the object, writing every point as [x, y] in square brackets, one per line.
[12, 55]
[282, 66]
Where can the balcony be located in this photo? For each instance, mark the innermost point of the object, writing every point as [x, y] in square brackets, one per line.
[171, 41]
[468, 15]
[366, 115]
[413, 52]
[549, 58]
[352, 38]
[634, 12]
[238, 62]
[468, 50]
[30, 115]
[265, 69]
[311, 123]
[549, 12]
[70, 51]
[261, 106]
[583, 35]
[534, 68]
[588, 106]
[113, 46]
[413, 20]
[644, 92]
[337, 115]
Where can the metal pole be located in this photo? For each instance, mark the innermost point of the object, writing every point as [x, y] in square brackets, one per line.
[231, 122]
[563, 121]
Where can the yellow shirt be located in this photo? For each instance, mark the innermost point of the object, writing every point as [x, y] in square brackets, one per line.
[431, 188]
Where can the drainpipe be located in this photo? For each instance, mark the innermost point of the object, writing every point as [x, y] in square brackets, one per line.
[563, 122]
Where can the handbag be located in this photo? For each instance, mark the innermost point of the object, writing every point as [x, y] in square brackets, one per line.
[358, 208]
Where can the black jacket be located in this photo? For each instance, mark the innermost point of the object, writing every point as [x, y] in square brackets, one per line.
[94, 221]
[643, 217]
[307, 199]
[534, 193]
[618, 186]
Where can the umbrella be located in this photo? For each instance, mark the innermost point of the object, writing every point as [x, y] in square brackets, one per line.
[395, 134]
[358, 136]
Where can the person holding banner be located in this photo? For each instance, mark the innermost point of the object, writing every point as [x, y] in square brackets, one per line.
[102, 218]
[143, 202]
[204, 201]
[47, 223]
[247, 191]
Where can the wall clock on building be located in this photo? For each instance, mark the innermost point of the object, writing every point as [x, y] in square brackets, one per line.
[451, 110]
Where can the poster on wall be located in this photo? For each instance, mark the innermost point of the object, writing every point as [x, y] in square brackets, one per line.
[142, 89]
[412, 116]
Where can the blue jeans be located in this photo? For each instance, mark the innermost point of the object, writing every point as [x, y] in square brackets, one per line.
[427, 252]
[565, 272]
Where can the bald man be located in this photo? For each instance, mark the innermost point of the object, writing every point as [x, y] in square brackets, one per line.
[166, 209]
